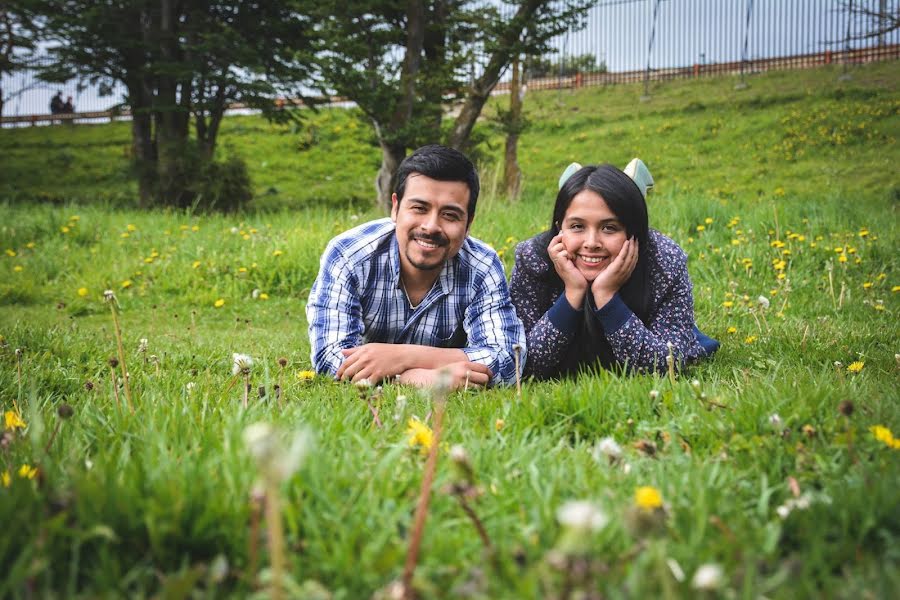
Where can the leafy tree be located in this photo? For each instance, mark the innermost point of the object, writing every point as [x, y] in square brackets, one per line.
[182, 64]
[400, 62]
[18, 38]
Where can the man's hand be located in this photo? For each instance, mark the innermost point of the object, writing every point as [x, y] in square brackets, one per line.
[573, 279]
[613, 277]
[374, 362]
[462, 374]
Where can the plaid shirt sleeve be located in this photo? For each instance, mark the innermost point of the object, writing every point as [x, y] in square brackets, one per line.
[492, 326]
[333, 311]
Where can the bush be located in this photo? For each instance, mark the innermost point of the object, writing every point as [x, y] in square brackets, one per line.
[222, 186]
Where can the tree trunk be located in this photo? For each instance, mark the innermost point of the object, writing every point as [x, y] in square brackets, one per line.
[512, 175]
[391, 157]
[482, 87]
[171, 132]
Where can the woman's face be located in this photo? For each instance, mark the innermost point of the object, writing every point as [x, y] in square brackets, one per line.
[591, 233]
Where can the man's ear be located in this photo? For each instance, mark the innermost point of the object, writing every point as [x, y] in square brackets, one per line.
[395, 206]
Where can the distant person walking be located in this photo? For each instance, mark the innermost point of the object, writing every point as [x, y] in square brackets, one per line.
[68, 107]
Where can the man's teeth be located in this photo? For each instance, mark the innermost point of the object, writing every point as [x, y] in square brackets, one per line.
[427, 244]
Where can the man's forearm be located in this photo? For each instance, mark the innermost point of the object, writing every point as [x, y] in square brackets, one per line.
[429, 357]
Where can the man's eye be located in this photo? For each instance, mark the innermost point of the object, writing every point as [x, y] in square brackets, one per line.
[451, 216]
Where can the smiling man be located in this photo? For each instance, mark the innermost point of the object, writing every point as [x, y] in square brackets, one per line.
[412, 294]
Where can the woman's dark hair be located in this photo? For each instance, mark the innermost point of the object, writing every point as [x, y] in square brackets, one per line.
[443, 164]
[624, 199]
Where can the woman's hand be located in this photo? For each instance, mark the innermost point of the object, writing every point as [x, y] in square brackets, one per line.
[612, 278]
[576, 284]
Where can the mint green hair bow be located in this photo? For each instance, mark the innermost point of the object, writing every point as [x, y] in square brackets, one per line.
[636, 169]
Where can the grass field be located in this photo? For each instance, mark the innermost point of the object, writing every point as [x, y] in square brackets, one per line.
[774, 461]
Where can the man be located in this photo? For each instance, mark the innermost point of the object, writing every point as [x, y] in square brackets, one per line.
[411, 295]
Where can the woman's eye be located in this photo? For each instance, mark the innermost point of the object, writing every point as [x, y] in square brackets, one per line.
[576, 227]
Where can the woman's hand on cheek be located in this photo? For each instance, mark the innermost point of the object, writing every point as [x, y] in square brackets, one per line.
[576, 284]
[612, 278]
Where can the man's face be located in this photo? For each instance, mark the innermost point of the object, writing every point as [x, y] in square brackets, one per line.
[432, 222]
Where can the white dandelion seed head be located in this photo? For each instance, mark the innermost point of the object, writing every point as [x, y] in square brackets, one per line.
[255, 293]
[609, 448]
[143, 345]
[654, 394]
[838, 364]
[354, 217]
[775, 420]
[581, 515]
[189, 386]
[241, 363]
[458, 454]
[626, 468]
[670, 346]
[363, 384]
[109, 295]
[708, 577]
[763, 302]
[783, 511]
[234, 230]
[676, 569]
[695, 383]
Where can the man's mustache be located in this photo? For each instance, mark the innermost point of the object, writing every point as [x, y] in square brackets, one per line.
[436, 238]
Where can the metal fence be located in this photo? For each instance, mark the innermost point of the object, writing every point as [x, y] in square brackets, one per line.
[635, 40]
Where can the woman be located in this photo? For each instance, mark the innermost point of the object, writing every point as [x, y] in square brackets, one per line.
[601, 287]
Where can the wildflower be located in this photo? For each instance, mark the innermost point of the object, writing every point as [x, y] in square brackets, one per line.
[884, 435]
[241, 364]
[749, 339]
[306, 375]
[18, 268]
[499, 424]
[581, 515]
[654, 395]
[707, 578]
[763, 302]
[648, 498]
[255, 294]
[609, 448]
[420, 435]
[896, 288]
[27, 472]
[5, 478]
[10, 252]
[264, 296]
[143, 345]
[728, 304]
[701, 227]
[195, 228]
[189, 386]
[775, 421]
[731, 329]
[867, 285]
[126, 284]
[809, 431]
[219, 303]
[82, 292]
[277, 253]
[855, 366]
[363, 384]
[196, 264]
[708, 220]
[13, 421]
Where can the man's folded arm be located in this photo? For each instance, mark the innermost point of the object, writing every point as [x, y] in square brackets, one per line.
[334, 312]
[493, 329]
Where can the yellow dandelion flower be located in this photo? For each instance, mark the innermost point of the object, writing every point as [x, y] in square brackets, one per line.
[82, 291]
[5, 478]
[510, 240]
[884, 435]
[148, 260]
[130, 227]
[863, 232]
[74, 218]
[842, 258]
[195, 228]
[708, 220]
[195, 264]
[125, 234]
[18, 268]
[263, 296]
[219, 303]
[64, 229]
[499, 424]
[183, 227]
[126, 284]
[10, 252]
[27, 472]
[749, 339]
[701, 227]
[420, 436]
[856, 366]
[731, 329]
[246, 236]
[728, 304]
[879, 306]
[777, 244]
[30, 245]
[242, 269]
[306, 375]
[896, 288]
[277, 253]
[648, 498]
[13, 420]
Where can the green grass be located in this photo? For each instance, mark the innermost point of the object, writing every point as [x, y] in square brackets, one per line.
[151, 504]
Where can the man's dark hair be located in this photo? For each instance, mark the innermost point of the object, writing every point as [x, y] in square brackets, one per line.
[443, 164]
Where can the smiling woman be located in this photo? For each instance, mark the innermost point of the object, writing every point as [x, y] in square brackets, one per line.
[600, 287]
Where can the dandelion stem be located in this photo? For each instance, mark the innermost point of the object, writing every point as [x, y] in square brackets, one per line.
[374, 412]
[479, 526]
[115, 387]
[52, 436]
[246, 390]
[412, 555]
[276, 536]
[518, 351]
[253, 542]
[121, 350]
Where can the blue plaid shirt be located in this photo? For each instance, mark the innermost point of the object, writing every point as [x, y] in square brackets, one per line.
[357, 298]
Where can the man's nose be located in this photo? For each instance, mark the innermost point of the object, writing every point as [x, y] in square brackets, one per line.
[430, 222]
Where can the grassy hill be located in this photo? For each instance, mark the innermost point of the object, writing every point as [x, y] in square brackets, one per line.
[786, 190]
